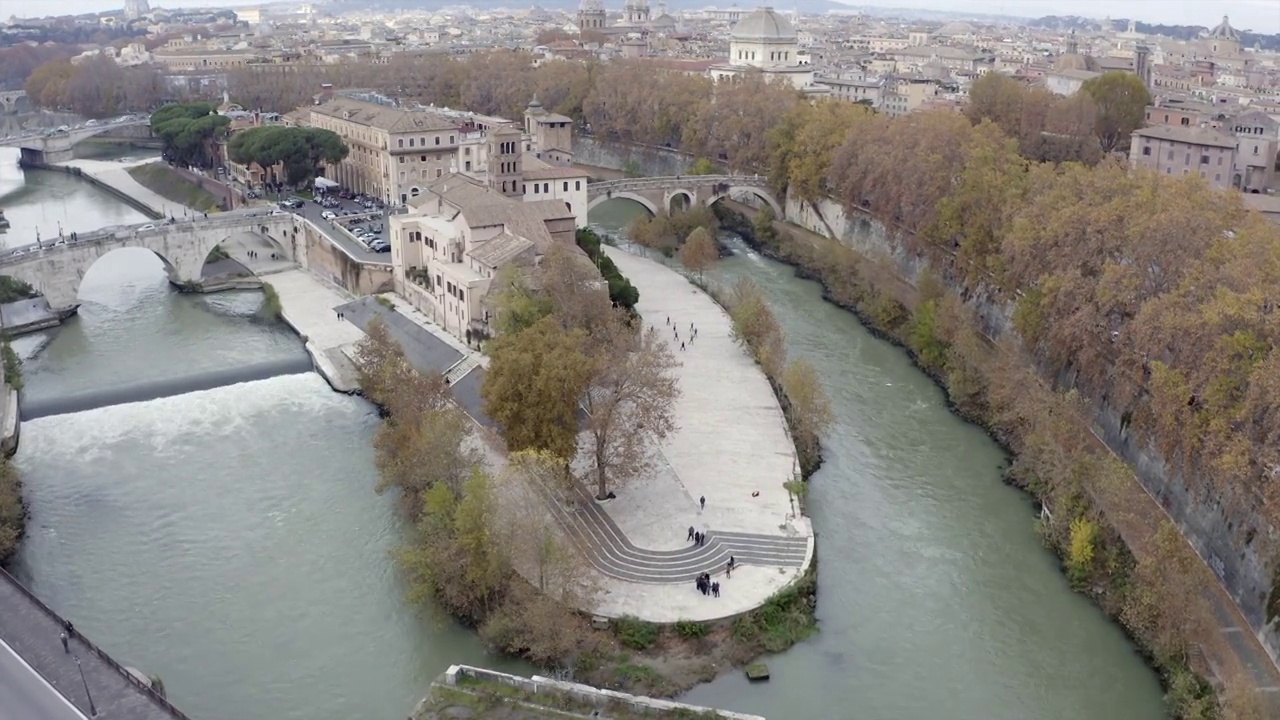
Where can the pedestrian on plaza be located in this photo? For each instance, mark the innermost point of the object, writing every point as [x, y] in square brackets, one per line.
[691, 532]
[702, 501]
[668, 320]
[206, 216]
[715, 589]
[690, 326]
[728, 568]
[698, 583]
[681, 347]
[697, 538]
[65, 648]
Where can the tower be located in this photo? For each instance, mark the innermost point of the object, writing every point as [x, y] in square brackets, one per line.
[1142, 64]
[591, 16]
[1073, 47]
[505, 174]
[134, 9]
[637, 12]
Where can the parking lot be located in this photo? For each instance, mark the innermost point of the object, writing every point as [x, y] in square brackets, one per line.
[313, 211]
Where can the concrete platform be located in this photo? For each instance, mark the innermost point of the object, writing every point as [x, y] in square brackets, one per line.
[116, 176]
[308, 306]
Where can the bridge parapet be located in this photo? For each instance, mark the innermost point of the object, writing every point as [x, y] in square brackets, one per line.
[676, 182]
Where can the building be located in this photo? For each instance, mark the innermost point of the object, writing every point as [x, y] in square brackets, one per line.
[1223, 40]
[1257, 147]
[134, 9]
[765, 42]
[591, 16]
[904, 95]
[1175, 150]
[457, 237]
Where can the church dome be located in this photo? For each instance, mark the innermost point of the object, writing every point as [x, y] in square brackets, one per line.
[1224, 31]
[764, 24]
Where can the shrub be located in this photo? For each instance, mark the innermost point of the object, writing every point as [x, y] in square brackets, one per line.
[1081, 551]
[691, 629]
[635, 633]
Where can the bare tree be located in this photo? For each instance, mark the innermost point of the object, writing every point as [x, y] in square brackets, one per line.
[629, 402]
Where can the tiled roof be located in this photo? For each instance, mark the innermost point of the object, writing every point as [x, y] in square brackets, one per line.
[383, 117]
[1190, 135]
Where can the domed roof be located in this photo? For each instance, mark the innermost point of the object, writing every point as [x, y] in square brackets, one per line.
[1224, 31]
[763, 24]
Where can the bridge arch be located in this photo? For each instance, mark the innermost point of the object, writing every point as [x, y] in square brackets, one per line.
[678, 200]
[624, 195]
[720, 193]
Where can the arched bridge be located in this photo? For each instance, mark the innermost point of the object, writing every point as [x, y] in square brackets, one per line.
[13, 102]
[45, 147]
[56, 267]
[664, 194]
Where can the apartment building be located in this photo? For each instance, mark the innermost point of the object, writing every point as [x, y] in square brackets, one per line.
[906, 95]
[458, 235]
[1176, 150]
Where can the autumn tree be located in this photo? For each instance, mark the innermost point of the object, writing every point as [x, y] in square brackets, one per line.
[756, 327]
[629, 402]
[517, 305]
[699, 251]
[808, 411]
[1121, 99]
[534, 384]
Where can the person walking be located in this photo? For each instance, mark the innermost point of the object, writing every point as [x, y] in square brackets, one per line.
[697, 538]
[728, 568]
[702, 502]
[691, 532]
[65, 648]
[715, 589]
[681, 347]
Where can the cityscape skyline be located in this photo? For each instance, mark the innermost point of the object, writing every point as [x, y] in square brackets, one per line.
[1261, 16]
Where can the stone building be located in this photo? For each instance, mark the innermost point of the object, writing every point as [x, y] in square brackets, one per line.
[1176, 151]
[765, 42]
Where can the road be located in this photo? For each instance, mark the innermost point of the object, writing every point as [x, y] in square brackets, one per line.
[26, 695]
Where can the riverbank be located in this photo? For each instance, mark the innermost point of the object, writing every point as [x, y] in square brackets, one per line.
[114, 177]
[159, 178]
[1152, 592]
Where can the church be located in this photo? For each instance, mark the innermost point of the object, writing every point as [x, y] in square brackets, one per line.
[764, 41]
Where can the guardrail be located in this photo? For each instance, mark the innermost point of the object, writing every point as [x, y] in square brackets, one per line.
[99, 652]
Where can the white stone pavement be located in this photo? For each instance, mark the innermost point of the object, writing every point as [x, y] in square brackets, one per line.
[116, 175]
[732, 447]
[307, 305]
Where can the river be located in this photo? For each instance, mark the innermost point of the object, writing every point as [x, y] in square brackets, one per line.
[230, 541]
[935, 597]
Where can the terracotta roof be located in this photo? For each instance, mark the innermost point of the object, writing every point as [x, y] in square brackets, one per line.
[1190, 135]
[384, 117]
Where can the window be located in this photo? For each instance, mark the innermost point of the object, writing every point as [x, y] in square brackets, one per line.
[525, 188]
[422, 158]
[566, 186]
[401, 159]
[546, 187]
[1219, 158]
[1204, 159]
[577, 184]
[1146, 151]
[439, 172]
[1255, 149]
[450, 139]
[401, 141]
[466, 152]
[504, 186]
[467, 166]
[1171, 155]
[437, 139]
[1186, 121]
[535, 188]
[1166, 118]
[410, 142]
[462, 294]
[422, 142]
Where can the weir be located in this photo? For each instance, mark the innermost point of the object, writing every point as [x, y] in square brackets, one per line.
[156, 389]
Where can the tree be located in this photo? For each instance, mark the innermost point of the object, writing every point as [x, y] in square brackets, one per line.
[756, 327]
[189, 132]
[809, 411]
[531, 484]
[703, 166]
[12, 511]
[301, 150]
[534, 384]
[699, 251]
[518, 306]
[1121, 100]
[629, 402]
[381, 365]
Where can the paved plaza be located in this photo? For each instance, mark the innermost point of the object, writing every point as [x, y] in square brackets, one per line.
[309, 306]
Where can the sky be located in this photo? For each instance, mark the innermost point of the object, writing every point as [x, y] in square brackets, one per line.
[1258, 15]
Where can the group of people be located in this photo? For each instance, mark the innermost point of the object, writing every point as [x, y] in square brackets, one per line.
[706, 587]
[697, 536]
[693, 332]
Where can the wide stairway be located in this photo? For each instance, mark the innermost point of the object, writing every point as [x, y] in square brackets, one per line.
[612, 553]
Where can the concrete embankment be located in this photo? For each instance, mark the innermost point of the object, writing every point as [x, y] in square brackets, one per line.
[32, 409]
[115, 179]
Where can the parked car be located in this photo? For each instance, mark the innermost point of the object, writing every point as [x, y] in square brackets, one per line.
[380, 245]
[147, 227]
[328, 215]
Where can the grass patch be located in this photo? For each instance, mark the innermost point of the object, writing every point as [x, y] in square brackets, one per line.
[271, 307]
[168, 184]
[13, 513]
[784, 620]
[635, 633]
[12, 364]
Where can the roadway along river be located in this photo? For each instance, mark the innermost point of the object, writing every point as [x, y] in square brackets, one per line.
[935, 598]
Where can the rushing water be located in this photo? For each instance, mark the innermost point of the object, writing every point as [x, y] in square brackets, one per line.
[936, 599]
[228, 540]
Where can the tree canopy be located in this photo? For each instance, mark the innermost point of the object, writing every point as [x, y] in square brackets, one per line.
[189, 132]
[301, 150]
[1121, 99]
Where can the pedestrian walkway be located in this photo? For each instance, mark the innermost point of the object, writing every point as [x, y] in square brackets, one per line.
[116, 176]
[34, 632]
[309, 306]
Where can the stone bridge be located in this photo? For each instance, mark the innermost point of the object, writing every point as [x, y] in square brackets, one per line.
[665, 194]
[47, 148]
[14, 102]
[56, 267]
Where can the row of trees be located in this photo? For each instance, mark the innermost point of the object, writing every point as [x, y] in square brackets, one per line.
[95, 87]
[481, 528]
[302, 151]
[572, 373]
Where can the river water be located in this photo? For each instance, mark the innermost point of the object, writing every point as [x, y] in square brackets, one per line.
[230, 540]
[935, 597]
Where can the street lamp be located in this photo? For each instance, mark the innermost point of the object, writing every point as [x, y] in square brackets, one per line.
[93, 711]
